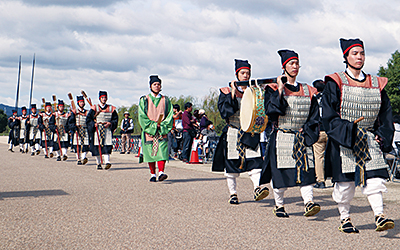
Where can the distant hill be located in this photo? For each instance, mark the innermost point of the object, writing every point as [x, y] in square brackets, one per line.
[8, 109]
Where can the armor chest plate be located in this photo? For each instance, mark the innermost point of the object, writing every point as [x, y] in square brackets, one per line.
[23, 123]
[46, 119]
[360, 102]
[33, 121]
[296, 112]
[103, 117]
[80, 120]
[61, 120]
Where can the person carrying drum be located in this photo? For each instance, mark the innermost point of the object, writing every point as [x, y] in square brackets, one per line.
[237, 151]
[288, 160]
[354, 155]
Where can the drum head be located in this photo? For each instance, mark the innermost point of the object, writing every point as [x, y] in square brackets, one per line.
[246, 109]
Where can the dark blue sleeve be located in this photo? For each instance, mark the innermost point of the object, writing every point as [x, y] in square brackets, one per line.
[227, 106]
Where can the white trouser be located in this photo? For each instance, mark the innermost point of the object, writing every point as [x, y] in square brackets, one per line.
[63, 152]
[23, 146]
[306, 194]
[35, 147]
[254, 174]
[50, 149]
[106, 158]
[343, 193]
[82, 156]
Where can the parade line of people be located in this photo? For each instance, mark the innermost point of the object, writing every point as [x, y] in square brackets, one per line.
[339, 128]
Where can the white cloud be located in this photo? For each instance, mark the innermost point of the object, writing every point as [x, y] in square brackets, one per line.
[116, 45]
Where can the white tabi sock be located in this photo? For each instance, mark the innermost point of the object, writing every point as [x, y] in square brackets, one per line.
[83, 155]
[255, 176]
[278, 195]
[307, 193]
[98, 161]
[107, 158]
[160, 173]
[376, 202]
[344, 210]
[231, 181]
[64, 151]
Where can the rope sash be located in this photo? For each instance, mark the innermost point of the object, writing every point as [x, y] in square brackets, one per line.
[361, 153]
[299, 153]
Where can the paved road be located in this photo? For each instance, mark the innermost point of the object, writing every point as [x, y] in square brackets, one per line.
[46, 204]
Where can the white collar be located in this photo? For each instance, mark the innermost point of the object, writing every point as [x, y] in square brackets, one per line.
[361, 77]
[159, 95]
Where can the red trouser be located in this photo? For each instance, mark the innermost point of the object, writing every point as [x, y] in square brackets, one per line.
[160, 164]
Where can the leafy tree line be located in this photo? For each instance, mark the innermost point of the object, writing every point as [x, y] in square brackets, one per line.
[392, 72]
[209, 103]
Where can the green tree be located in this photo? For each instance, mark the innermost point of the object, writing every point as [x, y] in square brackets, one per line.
[181, 100]
[133, 113]
[3, 121]
[210, 105]
[392, 72]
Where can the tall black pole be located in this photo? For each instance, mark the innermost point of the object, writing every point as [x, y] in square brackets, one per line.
[19, 77]
[33, 72]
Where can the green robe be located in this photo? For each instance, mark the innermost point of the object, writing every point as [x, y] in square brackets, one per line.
[150, 127]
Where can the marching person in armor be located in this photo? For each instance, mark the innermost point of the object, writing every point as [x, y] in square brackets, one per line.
[47, 134]
[354, 155]
[237, 151]
[14, 125]
[23, 131]
[289, 159]
[34, 133]
[59, 126]
[155, 117]
[101, 121]
[78, 128]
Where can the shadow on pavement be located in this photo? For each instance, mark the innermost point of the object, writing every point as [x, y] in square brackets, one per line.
[128, 168]
[193, 180]
[38, 193]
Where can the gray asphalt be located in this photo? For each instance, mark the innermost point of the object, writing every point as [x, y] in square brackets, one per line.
[46, 204]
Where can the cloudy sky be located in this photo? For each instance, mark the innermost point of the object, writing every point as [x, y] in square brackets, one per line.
[115, 45]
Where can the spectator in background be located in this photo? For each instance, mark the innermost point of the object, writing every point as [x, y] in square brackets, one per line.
[189, 124]
[396, 137]
[126, 131]
[203, 119]
[320, 146]
[172, 142]
[206, 134]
